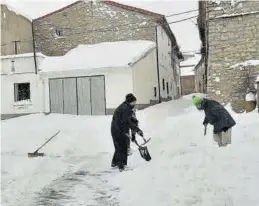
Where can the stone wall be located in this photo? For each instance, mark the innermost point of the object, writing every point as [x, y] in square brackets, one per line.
[89, 23]
[232, 40]
[243, 77]
[188, 84]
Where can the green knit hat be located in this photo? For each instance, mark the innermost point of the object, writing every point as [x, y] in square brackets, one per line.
[196, 101]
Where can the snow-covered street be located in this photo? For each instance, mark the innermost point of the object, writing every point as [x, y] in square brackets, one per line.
[187, 168]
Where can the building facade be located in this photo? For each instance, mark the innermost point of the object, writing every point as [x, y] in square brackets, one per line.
[229, 31]
[107, 21]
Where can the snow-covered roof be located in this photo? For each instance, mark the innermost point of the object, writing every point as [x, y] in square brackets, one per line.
[193, 61]
[102, 55]
[38, 54]
[246, 63]
[187, 71]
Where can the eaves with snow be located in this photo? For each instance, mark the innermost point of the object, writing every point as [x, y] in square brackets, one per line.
[187, 66]
[119, 54]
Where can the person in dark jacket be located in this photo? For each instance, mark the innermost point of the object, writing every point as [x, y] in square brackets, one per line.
[120, 127]
[135, 121]
[219, 117]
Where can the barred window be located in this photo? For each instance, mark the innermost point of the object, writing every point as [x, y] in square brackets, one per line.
[22, 91]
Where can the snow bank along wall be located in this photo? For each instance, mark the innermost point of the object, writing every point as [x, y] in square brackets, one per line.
[233, 37]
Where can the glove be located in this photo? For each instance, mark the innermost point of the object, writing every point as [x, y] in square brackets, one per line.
[133, 138]
[140, 133]
[205, 122]
[225, 129]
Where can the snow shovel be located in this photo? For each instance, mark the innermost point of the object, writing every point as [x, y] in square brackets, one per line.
[39, 154]
[143, 152]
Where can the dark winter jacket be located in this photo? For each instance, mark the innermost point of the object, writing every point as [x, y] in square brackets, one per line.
[217, 115]
[134, 120]
[122, 120]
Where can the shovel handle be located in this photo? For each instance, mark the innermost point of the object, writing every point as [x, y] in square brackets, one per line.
[135, 141]
[205, 130]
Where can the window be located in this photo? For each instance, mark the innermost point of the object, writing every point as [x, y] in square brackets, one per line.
[167, 88]
[22, 92]
[155, 92]
[163, 84]
[59, 32]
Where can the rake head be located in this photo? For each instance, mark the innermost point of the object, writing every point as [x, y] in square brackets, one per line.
[35, 154]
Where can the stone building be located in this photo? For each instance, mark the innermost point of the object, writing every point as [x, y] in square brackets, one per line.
[199, 71]
[107, 21]
[16, 32]
[229, 31]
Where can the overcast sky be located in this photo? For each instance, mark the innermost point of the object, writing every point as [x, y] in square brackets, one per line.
[186, 32]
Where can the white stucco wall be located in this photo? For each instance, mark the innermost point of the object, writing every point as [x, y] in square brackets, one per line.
[23, 63]
[118, 82]
[9, 106]
[24, 73]
[165, 63]
[145, 78]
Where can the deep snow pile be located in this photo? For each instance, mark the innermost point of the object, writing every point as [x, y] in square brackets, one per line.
[85, 56]
[187, 168]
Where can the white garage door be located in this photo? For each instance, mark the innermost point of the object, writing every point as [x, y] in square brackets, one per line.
[78, 95]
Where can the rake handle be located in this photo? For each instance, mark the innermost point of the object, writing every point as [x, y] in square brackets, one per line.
[47, 141]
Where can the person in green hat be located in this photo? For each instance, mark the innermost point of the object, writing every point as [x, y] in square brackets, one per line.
[218, 116]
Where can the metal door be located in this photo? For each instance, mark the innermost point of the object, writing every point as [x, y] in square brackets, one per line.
[56, 95]
[84, 96]
[98, 95]
[70, 96]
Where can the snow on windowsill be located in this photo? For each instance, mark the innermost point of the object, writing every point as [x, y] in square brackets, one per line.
[23, 102]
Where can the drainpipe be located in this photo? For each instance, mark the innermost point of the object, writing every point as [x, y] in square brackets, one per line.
[34, 49]
[158, 73]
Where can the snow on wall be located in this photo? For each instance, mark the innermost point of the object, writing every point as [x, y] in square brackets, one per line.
[257, 79]
[107, 54]
[238, 14]
[246, 63]
[250, 97]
